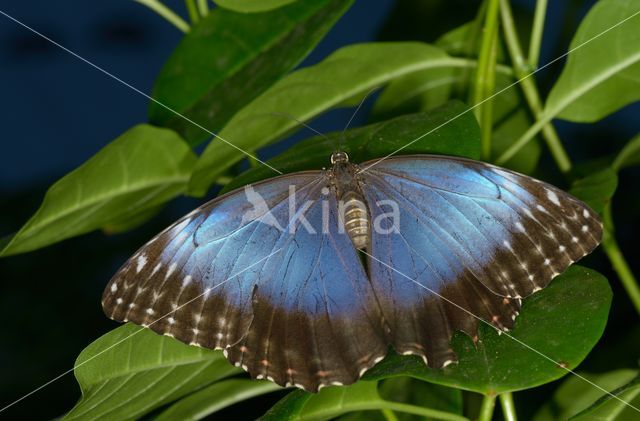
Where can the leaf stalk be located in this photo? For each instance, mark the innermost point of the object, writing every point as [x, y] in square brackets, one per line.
[508, 407]
[521, 69]
[487, 408]
[168, 14]
[484, 83]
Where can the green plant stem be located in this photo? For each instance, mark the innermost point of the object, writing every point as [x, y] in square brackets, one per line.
[508, 407]
[521, 70]
[536, 33]
[484, 83]
[166, 13]
[619, 263]
[469, 49]
[203, 7]
[193, 10]
[486, 410]
[486, 120]
[484, 58]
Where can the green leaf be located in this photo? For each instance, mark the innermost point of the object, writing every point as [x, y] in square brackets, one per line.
[252, 6]
[420, 393]
[289, 407]
[580, 399]
[335, 401]
[564, 321]
[131, 221]
[602, 75]
[596, 189]
[131, 370]
[629, 155]
[306, 93]
[143, 168]
[608, 407]
[216, 397]
[418, 91]
[332, 402]
[460, 137]
[229, 58]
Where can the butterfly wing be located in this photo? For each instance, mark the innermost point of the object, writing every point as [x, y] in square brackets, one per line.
[286, 300]
[471, 240]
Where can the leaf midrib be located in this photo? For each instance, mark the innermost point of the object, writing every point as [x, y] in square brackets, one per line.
[97, 200]
[591, 83]
[165, 365]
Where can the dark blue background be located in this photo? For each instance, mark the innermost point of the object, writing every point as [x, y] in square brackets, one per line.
[57, 111]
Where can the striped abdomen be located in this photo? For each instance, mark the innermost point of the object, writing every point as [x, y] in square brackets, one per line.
[356, 219]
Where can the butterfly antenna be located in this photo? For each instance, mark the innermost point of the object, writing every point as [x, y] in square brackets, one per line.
[302, 123]
[364, 98]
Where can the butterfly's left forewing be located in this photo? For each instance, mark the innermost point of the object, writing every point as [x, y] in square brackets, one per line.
[285, 296]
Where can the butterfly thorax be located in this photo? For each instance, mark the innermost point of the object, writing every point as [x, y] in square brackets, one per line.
[351, 206]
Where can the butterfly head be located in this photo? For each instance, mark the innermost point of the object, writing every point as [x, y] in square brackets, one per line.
[339, 158]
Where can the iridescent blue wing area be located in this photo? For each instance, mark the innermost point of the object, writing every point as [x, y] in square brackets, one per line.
[283, 302]
[471, 238]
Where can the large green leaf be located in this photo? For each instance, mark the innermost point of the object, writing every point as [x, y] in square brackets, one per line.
[629, 155]
[582, 398]
[335, 401]
[304, 94]
[216, 397]
[460, 137]
[131, 370]
[603, 74]
[252, 6]
[139, 170]
[229, 58]
[562, 322]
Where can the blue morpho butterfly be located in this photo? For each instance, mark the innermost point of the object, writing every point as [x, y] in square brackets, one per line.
[272, 273]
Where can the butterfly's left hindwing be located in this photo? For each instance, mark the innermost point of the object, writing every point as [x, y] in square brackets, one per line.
[240, 274]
